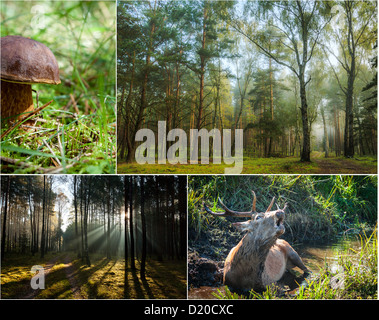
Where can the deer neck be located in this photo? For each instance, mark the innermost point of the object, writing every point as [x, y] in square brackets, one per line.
[252, 254]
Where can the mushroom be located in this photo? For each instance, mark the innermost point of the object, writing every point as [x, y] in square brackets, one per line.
[24, 62]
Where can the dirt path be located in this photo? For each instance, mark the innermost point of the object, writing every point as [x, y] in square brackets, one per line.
[70, 272]
[31, 294]
[340, 166]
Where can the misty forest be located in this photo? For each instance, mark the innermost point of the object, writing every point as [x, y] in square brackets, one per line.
[95, 236]
[298, 77]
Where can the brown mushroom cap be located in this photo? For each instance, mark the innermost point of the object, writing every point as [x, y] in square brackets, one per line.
[25, 60]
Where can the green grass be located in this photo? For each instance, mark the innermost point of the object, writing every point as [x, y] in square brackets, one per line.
[250, 166]
[357, 277]
[77, 131]
[57, 285]
[288, 165]
[104, 279]
[16, 275]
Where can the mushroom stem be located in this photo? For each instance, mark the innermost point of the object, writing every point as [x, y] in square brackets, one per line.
[16, 100]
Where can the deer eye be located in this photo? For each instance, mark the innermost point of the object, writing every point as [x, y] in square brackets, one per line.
[257, 217]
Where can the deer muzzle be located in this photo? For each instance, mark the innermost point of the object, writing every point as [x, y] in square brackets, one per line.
[279, 222]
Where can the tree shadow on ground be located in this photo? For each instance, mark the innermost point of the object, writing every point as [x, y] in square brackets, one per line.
[85, 273]
[160, 282]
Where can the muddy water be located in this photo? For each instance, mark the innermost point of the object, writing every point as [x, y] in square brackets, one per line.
[314, 255]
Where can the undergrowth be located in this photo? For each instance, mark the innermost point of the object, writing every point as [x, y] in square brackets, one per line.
[288, 165]
[76, 132]
[104, 279]
[319, 207]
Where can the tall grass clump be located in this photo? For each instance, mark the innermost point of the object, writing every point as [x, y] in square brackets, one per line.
[319, 207]
[356, 277]
[361, 271]
[75, 133]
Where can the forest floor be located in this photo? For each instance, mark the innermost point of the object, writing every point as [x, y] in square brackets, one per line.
[68, 278]
[288, 165]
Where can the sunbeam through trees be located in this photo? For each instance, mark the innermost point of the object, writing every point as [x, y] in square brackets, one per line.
[133, 222]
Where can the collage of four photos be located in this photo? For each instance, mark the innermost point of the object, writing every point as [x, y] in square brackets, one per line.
[189, 150]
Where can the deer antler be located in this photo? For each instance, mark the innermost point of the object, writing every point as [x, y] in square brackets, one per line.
[272, 202]
[231, 213]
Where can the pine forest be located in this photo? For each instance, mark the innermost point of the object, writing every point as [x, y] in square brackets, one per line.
[298, 77]
[96, 236]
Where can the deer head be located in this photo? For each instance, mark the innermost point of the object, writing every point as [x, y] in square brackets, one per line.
[264, 225]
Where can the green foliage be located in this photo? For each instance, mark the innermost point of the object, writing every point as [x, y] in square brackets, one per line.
[78, 125]
[362, 272]
[358, 279]
[206, 64]
[320, 288]
[351, 199]
[318, 206]
[227, 294]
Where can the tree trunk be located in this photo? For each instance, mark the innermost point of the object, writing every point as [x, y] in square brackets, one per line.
[202, 72]
[131, 145]
[337, 139]
[306, 152]
[183, 215]
[271, 106]
[126, 194]
[109, 218]
[159, 244]
[132, 263]
[143, 222]
[124, 136]
[86, 209]
[349, 120]
[43, 219]
[326, 143]
[362, 150]
[4, 231]
[82, 218]
[32, 217]
[76, 215]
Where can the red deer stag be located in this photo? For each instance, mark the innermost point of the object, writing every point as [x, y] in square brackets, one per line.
[260, 258]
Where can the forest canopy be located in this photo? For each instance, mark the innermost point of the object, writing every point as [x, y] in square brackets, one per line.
[296, 76]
